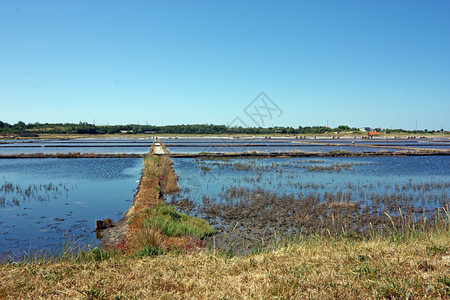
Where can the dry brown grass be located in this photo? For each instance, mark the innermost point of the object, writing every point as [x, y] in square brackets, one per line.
[149, 190]
[169, 180]
[337, 205]
[320, 268]
[145, 237]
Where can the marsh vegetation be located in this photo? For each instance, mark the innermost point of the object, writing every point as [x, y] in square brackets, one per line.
[16, 195]
[257, 201]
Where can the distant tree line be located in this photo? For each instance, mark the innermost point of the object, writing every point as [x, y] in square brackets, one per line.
[86, 128]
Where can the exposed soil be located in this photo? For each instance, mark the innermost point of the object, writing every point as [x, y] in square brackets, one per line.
[113, 236]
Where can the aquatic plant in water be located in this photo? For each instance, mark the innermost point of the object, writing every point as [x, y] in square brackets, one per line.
[14, 194]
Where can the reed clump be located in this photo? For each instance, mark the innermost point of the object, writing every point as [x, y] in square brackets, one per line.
[12, 195]
[145, 237]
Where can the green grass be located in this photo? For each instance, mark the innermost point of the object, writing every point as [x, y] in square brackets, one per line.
[149, 250]
[173, 223]
[95, 255]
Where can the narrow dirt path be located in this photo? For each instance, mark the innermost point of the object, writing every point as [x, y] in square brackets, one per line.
[150, 190]
[158, 148]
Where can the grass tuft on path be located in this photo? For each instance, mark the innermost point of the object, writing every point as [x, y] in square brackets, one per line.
[172, 223]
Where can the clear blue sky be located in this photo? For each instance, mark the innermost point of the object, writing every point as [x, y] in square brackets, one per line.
[360, 63]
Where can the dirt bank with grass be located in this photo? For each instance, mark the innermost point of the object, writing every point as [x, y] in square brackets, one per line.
[150, 223]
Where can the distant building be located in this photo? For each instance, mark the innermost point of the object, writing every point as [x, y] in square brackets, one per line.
[278, 129]
[365, 129]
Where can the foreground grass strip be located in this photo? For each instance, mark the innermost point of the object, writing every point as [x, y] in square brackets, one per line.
[321, 267]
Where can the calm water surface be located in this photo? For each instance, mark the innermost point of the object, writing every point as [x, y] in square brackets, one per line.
[46, 202]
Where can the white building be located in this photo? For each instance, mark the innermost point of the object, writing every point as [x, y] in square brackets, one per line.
[365, 129]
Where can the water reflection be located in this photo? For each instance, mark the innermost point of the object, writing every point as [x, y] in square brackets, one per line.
[46, 202]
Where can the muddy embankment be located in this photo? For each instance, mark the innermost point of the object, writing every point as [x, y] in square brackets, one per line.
[158, 178]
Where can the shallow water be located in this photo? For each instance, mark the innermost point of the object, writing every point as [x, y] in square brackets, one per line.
[255, 202]
[73, 149]
[360, 177]
[46, 202]
[98, 146]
